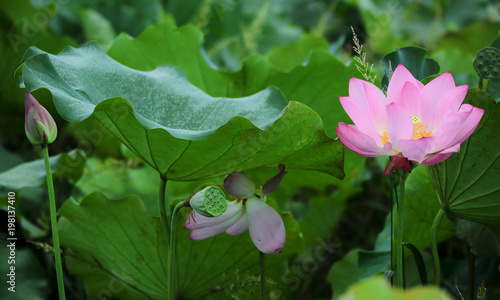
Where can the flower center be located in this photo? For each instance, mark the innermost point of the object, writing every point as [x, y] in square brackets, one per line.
[419, 131]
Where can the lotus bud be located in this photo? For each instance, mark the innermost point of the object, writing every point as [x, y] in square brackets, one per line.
[39, 126]
[239, 186]
[209, 202]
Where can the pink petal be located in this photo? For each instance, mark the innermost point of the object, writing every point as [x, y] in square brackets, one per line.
[238, 185]
[450, 102]
[432, 94]
[400, 76]
[360, 117]
[411, 99]
[436, 158]
[239, 227]
[376, 107]
[469, 125]
[266, 226]
[397, 163]
[204, 227]
[359, 142]
[416, 149]
[399, 124]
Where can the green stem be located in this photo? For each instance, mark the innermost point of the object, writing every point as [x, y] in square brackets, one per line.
[471, 259]
[399, 233]
[480, 86]
[171, 253]
[53, 224]
[435, 255]
[162, 207]
[262, 277]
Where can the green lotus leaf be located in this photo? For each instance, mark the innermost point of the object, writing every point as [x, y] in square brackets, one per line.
[467, 182]
[120, 252]
[175, 127]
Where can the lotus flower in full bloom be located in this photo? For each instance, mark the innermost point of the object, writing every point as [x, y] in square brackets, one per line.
[249, 212]
[424, 124]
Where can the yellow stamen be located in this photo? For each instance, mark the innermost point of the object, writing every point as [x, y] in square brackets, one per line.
[385, 137]
[419, 131]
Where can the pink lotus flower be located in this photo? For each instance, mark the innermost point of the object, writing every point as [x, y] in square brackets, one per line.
[248, 212]
[423, 124]
[39, 125]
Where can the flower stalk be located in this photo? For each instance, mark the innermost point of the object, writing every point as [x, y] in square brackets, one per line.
[172, 284]
[262, 276]
[162, 207]
[53, 223]
[435, 255]
[399, 232]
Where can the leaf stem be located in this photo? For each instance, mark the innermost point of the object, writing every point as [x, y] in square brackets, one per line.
[471, 260]
[435, 255]
[53, 223]
[162, 207]
[172, 290]
[399, 232]
[262, 276]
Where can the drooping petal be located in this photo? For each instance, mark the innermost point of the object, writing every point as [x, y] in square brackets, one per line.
[399, 78]
[359, 115]
[411, 99]
[240, 226]
[359, 142]
[399, 124]
[266, 226]
[449, 103]
[436, 158]
[432, 93]
[415, 150]
[272, 184]
[239, 186]
[204, 227]
[375, 101]
[397, 163]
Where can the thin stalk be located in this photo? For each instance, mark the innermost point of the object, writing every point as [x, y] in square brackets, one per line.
[399, 233]
[393, 224]
[435, 255]
[53, 224]
[471, 259]
[480, 86]
[172, 285]
[262, 276]
[162, 207]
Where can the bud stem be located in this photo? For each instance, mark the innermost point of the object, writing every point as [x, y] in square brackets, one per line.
[172, 284]
[53, 223]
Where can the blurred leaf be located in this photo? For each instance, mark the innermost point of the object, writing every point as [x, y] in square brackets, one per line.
[420, 209]
[233, 134]
[466, 183]
[117, 260]
[31, 174]
[482, 240]
[30, 278]
[379, 288]
[317, 84]
[413, 58]
[96, 27]
[8, 160]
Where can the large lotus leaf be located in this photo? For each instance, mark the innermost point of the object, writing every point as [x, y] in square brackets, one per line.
[467, 182]
[176, 128]
[120, 252]
[482, 240]
[413, 58]
[380, 288]
[317, 84]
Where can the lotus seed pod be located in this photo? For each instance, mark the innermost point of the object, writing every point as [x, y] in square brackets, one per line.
[487, 63]
[209, 202]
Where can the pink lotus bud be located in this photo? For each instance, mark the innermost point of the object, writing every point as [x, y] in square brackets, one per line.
[39, 125]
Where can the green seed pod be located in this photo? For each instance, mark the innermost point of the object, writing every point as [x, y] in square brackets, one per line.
[487, 63]
[209, 202]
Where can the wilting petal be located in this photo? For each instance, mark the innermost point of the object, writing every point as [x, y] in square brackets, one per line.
[272, 184]
[240, 226]
[399, 124]
[266, 226]
[357, 141]
[204, 227]
[239, 186]
[416, 149]
[399, 78]
[397, 163]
